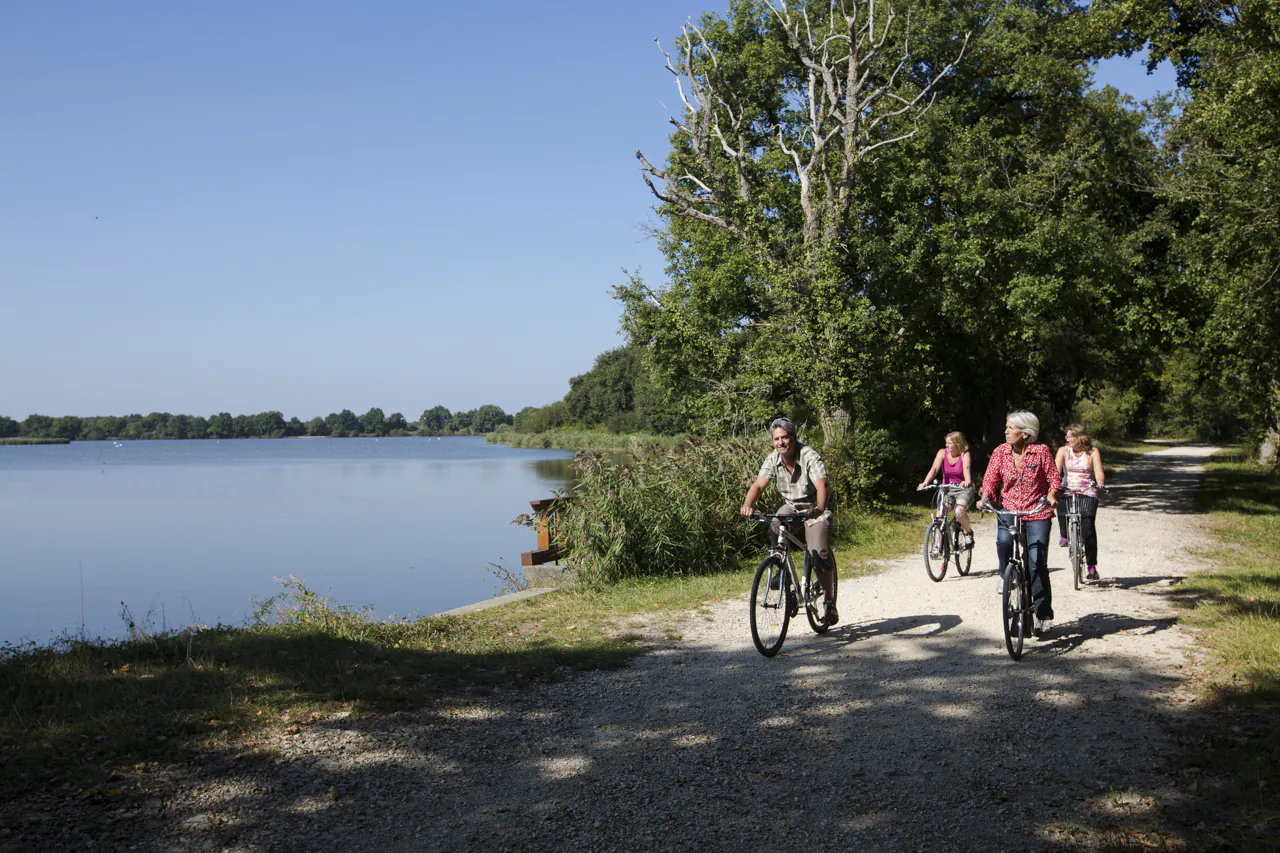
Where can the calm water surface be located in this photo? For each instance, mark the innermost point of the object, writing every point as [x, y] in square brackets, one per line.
[187, 532]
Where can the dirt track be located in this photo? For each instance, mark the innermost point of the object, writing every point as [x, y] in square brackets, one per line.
[907, 728]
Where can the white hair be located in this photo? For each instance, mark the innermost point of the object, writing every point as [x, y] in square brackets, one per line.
[1027, 422]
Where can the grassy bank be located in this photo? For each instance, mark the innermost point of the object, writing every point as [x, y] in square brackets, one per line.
[80, 711]
[579, 439]
[35, 441]
[1233, 759]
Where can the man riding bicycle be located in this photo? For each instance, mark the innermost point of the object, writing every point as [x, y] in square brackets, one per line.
[798, 473]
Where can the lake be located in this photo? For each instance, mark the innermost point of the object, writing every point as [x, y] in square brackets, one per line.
[192, 532]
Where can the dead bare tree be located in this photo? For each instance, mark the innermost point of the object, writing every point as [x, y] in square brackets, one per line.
[849, 99]
[852, 86]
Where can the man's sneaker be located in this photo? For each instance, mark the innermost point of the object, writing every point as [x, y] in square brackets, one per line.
[832, 616]
[1062, 541]
[968, 541]
[999, 584]
[1093, 573]
[1043, 626]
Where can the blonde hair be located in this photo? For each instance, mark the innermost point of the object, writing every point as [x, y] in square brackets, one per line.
[958, 437]
[1085, 441]
[1027, 422]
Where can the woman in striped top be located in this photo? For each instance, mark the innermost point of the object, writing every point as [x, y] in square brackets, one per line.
[1081, 466]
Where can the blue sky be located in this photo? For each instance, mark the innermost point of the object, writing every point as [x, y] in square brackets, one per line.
[314, 206]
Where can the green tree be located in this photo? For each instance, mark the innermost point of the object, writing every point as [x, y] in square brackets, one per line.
[783, 107]
[542, 418]
[317, 426]
[8, 427]
[434, 421]
[344, 423]
[65, 427]
[396, 423]
[606, 390]
[374, 421]
[488, 418]
[180, 427]
[36, 426]
[269, 424]
[221, 426]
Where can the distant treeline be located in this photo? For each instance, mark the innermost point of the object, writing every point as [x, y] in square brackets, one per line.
[617, 395]
[162, 425]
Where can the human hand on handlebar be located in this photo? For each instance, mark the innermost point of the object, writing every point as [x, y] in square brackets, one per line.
[745, 511]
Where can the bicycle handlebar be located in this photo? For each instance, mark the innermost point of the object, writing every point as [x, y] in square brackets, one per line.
[986, 506]
[941, 486]
[784, 517]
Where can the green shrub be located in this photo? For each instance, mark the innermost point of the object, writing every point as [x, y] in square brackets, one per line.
[666, 512]
[1109, 414]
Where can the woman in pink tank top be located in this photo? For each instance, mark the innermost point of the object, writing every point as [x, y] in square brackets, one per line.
[1080, 464]
[953, 460]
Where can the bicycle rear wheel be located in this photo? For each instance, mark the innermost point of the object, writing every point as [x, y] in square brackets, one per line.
[1077, 558]
[935, 563]
[771, 597]
[963, 556]
[1015, 616]
[814, 608]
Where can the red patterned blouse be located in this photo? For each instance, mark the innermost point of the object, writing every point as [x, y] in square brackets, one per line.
[1022, 489]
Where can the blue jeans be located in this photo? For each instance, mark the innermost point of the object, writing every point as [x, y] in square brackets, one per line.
[1036, 557]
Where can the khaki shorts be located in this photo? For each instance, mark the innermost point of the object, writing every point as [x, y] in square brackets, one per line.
[961, 496]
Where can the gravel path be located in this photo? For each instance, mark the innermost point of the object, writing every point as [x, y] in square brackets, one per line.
[907, 728]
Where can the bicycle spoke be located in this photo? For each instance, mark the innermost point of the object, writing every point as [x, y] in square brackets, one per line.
[771, 598]
[935, 564]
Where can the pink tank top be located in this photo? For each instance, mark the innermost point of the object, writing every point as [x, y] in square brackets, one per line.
[1079, 471]
[952, 473]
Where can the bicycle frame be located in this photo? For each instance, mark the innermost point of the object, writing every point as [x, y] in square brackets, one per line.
[782, 550]
[1074, 535]
[780, 591]
[942, 536]
[1016, 616]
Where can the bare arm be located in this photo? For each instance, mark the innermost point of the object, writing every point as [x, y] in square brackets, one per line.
[1097, 469]
[754, 492]
[937, 461]
[1061, 459]
[968, 477]
[820, 504]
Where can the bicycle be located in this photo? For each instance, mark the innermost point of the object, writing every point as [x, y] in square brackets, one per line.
[1017, 607]
[942, 538]
[1075, 540]
[774, 592]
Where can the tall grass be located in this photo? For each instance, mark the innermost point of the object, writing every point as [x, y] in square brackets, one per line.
[668, 512]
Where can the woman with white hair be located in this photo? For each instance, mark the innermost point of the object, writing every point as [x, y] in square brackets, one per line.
[1024, 474]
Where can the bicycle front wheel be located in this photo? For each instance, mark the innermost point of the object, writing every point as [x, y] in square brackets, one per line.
[963, 556]
[814, 598]
[935, 563]
[1077, 558]
[1015, 617]
[771, 597]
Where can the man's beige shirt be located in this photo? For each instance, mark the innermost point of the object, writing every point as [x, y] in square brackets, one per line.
[796, 487]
